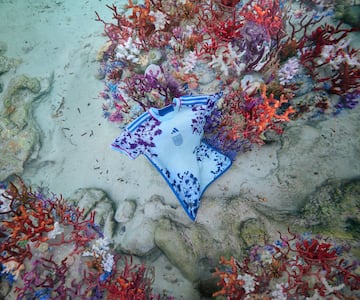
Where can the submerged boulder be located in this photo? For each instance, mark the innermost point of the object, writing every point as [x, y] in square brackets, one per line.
[19, 133]
[225, 227]
[6, 63]
[348, 13]
[96, 200]
[334, 209]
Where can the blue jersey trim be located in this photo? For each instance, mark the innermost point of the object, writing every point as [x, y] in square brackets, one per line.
[204, 189]
[138, 121]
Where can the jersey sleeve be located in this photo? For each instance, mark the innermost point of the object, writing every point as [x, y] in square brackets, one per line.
[138, 137]
[127, 144]
[212, 100]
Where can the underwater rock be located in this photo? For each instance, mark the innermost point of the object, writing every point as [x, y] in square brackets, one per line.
[5, 289]
[3, 47]
[140, 222]
[348, 13]
[334, 208]
[137, 237]
[251, 83]
[157, 208]
[314, 152]
[152, 57]
[135, 224]
[102, 51]
[92, 199]
[205, 73]
[7, 63]
[125, 211]
[253, 232]
[19, 135]
[196, 249]
[271, 136]
[171, 241]
[16, 108]
[208, 287]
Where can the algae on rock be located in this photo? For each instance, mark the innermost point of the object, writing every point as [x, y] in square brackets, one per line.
[19, 134]
[6, 63]
[253, 232]
[334, 209]
[348, 13]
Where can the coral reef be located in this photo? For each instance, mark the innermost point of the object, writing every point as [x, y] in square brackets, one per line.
[287, 73]
[235, 40]
[20, 139]
[46, 243]
[246, 118]
[295, 267]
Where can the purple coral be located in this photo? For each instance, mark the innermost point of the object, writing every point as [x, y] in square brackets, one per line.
[254, 43]
[288, 71]
[350, 100]
[230, 148]
[145, 89]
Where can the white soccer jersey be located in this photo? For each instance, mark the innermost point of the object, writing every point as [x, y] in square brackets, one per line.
[171, 138]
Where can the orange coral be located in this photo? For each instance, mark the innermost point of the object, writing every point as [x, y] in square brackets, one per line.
[190, 79]
[30, 224]
[264, 116]
[231, 285]
[141, 17]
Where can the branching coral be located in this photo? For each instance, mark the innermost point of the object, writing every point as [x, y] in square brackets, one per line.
[288, 71]
[46, 244]
[295, 267]
[292, 56]
[243, 120]
[249, 117]
[235, 284]
[151, 89]
[132, 283]
[268, 14]
[328, 54]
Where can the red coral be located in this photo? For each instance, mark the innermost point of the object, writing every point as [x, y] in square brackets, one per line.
[310, 267]
[223, 30]
[29, 219]
[26, 220]
[248, 117]
[265, 116]
[122, 30]
[345, 80]
[218, 28]
[315, 252]
[47, 273]
[133, 282]
[318, 60]
[229, 3]
[268, 14]
[230, 282]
